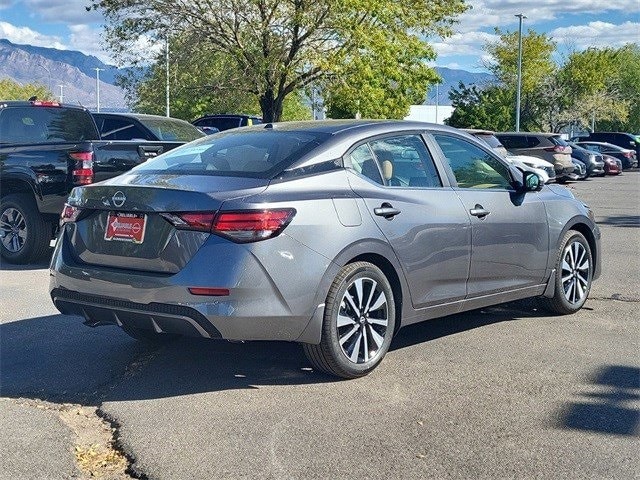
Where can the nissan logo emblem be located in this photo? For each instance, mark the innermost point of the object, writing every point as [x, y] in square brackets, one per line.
[118, 199]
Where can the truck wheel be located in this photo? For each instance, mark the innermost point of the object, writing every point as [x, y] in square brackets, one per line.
[24, 234]
[359, 321]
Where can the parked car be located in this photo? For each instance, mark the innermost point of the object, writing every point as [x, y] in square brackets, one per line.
[46, 149]
[137, 126]
[625, 155]
[612, 165]
[547, 146]
[227, 121]
[580, 169]
[331, 234]
[592, 160]
[544, 169]
[621, 139]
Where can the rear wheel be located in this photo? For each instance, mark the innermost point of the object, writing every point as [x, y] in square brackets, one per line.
[358, 324]
[24, 235]
[574, 273]
[149, 336]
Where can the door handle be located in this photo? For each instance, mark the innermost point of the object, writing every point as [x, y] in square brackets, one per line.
[479, 211]
[386, 210]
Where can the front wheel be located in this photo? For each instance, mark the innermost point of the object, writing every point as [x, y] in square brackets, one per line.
[574, 273]
[358, 324]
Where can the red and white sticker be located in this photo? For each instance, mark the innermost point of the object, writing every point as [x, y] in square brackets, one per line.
[126, 227]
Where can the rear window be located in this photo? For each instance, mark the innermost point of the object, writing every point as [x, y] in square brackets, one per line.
[490, 140]
[46, 125]
[254, 153]
[221, 123]
[558, 141]
[171, 130]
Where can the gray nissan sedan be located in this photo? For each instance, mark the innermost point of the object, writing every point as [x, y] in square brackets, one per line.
[332, 234]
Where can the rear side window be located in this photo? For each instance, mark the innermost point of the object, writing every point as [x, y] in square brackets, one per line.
[221, 123]
[490, 140]
[46, 125]
[405, 162]
[255, 154]
[121, 129]
[364, 163]
[514, 141]
[171, 130]
[558, 141]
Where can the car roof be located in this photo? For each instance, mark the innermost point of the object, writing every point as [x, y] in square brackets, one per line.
[227, 115]
[38, 103]
[476, 131]
[604, 144]
[369, 127]
[137, 116]
[529, 134]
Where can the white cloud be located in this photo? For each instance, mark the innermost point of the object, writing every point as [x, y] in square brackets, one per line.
[469, 43]
[27, 36]
[501, 13]
[6, 4]
[597, 34]
[88, 40]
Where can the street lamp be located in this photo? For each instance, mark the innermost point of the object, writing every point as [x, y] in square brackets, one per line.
[167, 74]
[98, 70]
[61, 93]
[520, 18]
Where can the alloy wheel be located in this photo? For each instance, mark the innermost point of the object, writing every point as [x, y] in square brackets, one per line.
[13, 230]
[576, 274]
[362, 320]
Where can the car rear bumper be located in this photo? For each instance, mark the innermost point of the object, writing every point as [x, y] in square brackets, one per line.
[260, 306]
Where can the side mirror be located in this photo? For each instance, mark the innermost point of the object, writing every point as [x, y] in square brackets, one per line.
[532, 182]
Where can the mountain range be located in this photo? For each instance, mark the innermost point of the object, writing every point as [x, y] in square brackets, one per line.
[76, 72]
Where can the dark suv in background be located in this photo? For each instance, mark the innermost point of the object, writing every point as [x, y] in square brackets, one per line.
[621, 139]
[226, 121]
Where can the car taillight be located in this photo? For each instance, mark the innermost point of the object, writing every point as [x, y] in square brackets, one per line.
[45, 103]
[239, 226]
[69, 214]
[82, 172]
[556, 149]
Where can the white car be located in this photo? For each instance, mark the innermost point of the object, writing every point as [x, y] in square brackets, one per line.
[543, 168]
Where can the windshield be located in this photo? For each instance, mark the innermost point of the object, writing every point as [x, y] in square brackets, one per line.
[252, 153]
[171, 130]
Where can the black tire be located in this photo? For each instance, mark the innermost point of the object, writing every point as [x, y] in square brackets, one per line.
[369, 337]
[26, 239]
[571, 286]
[150, 336]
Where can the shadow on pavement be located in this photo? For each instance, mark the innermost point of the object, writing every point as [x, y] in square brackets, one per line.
[39, 265]
[620, 221]
[608, 409]
[57, 358]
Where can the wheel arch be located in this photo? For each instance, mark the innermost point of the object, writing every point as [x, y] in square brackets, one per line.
[589, 230]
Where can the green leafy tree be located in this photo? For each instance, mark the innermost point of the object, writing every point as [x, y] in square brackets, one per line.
[279, 47]
[488, 108]
[11, 90]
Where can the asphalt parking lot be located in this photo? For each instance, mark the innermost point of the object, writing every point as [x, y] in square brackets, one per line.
[506, 392]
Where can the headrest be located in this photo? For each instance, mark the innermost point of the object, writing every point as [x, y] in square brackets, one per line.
[387, 169]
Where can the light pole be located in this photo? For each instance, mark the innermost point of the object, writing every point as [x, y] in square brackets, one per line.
[61, 93]
[98, 88]
[437, 99]
[520, 18]
[167, 73]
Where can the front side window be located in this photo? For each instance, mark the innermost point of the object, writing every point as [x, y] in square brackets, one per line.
[472, 166]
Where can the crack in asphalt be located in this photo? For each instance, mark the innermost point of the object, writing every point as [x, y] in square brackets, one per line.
[616, 297]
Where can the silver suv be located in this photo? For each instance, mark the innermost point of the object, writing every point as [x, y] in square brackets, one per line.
[547, 146]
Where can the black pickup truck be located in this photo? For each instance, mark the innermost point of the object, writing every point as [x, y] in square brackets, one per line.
[46, 149]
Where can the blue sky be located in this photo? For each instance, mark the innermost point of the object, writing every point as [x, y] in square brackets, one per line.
[574, 24]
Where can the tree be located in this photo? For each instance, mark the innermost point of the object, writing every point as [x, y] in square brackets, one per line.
[11, 90]
[280, 46]
[489, 108]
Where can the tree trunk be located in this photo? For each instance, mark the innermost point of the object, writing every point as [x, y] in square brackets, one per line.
[271, 106]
